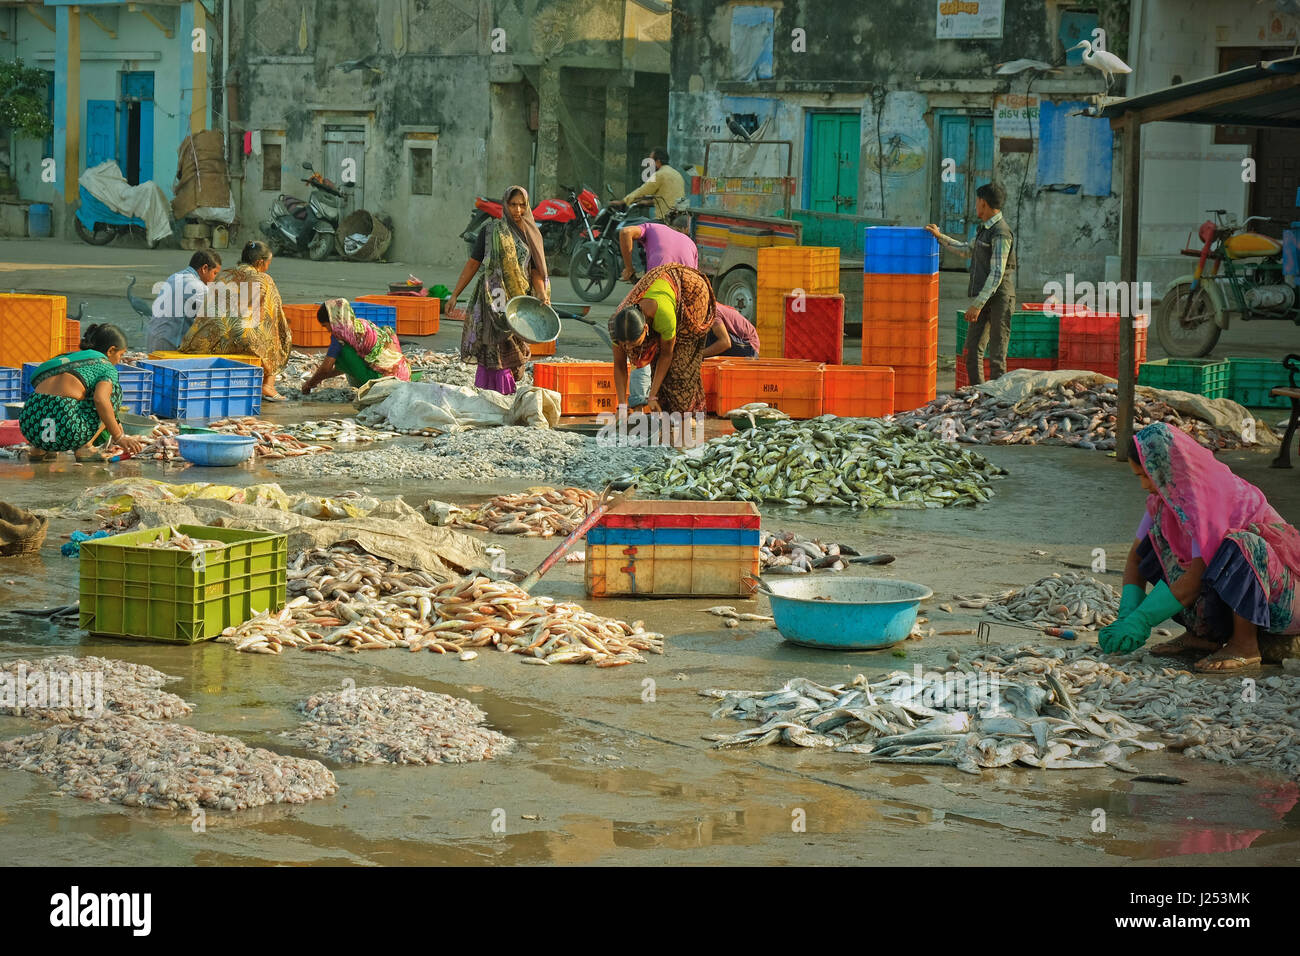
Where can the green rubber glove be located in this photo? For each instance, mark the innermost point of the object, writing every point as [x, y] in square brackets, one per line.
[1131, 632]
[1130, 600]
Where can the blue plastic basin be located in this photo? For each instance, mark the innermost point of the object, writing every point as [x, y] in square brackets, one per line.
[215, 449]
[857, 614]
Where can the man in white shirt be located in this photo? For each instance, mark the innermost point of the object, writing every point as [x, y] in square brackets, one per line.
[179, 300]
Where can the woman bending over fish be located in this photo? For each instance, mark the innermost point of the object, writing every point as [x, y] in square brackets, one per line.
[1223, 562]
[358, 349]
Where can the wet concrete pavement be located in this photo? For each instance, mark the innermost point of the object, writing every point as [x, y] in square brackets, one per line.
[612, 762]
[613, 767]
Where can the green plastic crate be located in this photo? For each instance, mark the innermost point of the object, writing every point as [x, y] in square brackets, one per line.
[1208, 377]
[1033, 334]
[182, 597]
[1249, 382]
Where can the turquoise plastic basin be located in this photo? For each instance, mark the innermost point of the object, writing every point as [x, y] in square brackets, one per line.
[845, 614]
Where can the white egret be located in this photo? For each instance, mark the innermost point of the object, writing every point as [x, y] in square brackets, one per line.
[1102, 60]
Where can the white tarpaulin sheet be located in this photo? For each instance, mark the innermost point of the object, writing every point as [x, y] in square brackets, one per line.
[145, 202]
[451, 408]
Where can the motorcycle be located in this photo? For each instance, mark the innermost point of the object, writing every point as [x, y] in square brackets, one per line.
[597, 261]
[306, 227]
[1244, 278]
[560, 222]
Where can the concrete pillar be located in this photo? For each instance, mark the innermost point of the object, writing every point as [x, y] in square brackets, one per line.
[616, 138]
[548, 133]
[67, 99]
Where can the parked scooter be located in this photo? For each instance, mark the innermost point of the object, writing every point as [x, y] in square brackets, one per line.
[306, 228]
[562, 223]
[597, 261]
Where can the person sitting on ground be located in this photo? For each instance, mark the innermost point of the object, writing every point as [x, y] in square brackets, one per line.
[75, 398]
[1223, 562]
[180, 302]
[358, 348]
[741, 332]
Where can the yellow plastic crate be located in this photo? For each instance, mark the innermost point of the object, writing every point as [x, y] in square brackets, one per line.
[811, 268]
[246, 359]
[671, 570]
[33, 328]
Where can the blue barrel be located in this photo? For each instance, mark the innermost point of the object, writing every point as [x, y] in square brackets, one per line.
[40, 221]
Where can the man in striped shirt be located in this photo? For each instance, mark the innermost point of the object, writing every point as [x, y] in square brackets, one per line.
[992, 283]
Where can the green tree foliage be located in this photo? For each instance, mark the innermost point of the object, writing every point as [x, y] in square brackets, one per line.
[23, 100]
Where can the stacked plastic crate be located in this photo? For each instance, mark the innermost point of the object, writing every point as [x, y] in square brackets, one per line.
[900, 310]
[810, 270]
[1034, 344]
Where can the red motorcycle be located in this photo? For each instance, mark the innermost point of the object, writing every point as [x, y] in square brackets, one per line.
[562, 223]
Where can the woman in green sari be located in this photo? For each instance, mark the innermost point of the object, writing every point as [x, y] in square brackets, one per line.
[513, 263]
[75, 397]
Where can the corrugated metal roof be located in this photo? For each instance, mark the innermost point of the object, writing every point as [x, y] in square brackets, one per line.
[1279, 107]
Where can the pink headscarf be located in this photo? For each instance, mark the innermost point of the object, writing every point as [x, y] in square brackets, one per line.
[1198, 497]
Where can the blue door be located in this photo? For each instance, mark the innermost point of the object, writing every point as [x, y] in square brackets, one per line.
[135, 139]
[968, 141]
[101, 139]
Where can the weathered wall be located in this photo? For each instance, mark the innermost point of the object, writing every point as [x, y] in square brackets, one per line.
[886, 53]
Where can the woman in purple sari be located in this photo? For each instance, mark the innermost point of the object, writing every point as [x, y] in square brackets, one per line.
[512, 262]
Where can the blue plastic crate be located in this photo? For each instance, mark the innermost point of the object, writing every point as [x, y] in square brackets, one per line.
[137, 388]
[384, 316]
[204, 388]
[11, 385]
[900, 250]
[29, 369]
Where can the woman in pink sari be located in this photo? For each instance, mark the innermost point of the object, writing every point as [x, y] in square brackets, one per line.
[1223, 562]
[358, 348]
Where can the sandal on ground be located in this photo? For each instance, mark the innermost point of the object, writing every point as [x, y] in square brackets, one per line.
[1181, 646]
[1240, 663]
[40, 454]
[272, 397]
[94, 455]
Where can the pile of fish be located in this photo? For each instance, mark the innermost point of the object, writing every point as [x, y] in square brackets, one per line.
[1073, 599]
[859, 463]
[756, 411]
[347, 601]
[538, 512]
[173, 540]
[342, 431]
[396, 725]
[272, 442]
[1072, 413]
[1208, 717]
[103, 686]
[784, 552]
[965, 719]
[164, 766]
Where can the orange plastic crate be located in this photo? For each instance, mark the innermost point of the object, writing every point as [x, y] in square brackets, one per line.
[306, 331]
[71, 335]
[416, 315]
[909, 401]
[586, 388]
[900, 296]
[811, 268]
[709, 379]
[792, 386]
[914, 385]
[534, 348]
[878, 333]
[33, 328]
[858, 391]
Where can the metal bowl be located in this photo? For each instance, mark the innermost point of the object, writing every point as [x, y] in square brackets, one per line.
[845, 614]
[532, 320]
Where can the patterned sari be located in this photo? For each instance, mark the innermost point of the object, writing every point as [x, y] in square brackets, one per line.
[61, 423]
[243, 315]
[682, 390]
[486, 339]
[1252, 556]
[378, 347]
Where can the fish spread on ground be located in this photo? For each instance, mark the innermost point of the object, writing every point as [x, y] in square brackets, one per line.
[537, 512]
[1073, 599]
[164, 766]
[64, 688]
[859, 463]
[785, 552]
[1072, 413]
[339, 431]
[345, 601]
[396, 725]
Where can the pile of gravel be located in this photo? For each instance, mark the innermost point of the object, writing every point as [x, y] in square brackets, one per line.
[489, 454]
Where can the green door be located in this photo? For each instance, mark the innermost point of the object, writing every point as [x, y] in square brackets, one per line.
[831, 162]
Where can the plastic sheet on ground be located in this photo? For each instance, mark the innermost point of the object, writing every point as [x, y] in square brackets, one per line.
[1222, 413]
[433, 406]
[409, 542]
